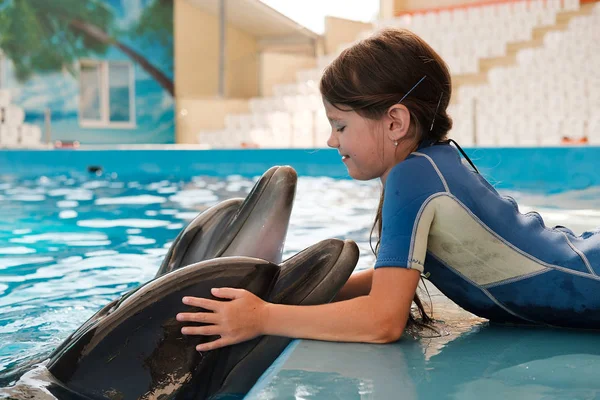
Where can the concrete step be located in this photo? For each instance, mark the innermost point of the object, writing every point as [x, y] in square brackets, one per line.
[539, 32]
[515, 47]
[485, 64]
[469, 79]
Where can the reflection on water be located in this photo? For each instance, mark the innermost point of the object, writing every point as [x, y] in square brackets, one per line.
[70, 245]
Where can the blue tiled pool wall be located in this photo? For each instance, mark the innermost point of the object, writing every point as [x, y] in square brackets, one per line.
[548, 170]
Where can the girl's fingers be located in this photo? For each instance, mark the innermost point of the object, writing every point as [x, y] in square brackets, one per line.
[201, 302]
[215, 344]
[209, 330]
[228, 293]
[205, 317]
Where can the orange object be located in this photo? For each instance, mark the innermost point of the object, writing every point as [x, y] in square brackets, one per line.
[59, 144]
[568, 140]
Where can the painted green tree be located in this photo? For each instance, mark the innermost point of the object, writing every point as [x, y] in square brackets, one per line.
[42, 36]
[155, 28]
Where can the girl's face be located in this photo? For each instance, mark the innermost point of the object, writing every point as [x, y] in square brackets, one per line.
[366, 146]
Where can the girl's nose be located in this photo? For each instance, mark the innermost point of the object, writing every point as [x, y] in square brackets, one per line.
[332, 141]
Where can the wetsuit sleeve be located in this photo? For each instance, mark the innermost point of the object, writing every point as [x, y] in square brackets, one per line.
[405, 219]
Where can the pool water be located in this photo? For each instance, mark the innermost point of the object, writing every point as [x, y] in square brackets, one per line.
[71, 244]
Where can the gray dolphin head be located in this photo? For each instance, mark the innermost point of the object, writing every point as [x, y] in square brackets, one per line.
[254, 227]
[136, 350]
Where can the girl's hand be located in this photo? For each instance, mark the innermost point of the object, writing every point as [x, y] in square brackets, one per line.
[234, 321]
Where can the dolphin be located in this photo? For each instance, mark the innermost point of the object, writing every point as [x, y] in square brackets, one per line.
[137, 351]
[255, 226]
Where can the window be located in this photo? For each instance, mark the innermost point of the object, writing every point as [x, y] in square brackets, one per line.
[106, 94]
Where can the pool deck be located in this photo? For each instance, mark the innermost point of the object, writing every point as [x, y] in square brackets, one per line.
[355, 370]
[470, 357]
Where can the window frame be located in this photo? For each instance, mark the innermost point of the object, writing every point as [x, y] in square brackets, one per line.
[104, 84]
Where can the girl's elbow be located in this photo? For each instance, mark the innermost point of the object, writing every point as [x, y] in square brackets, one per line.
[389, 331]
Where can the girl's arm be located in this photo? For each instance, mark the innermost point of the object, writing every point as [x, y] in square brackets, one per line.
[378, 317]
[359, 284]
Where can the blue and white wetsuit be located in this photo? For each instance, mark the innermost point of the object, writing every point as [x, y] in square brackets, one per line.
[444, 219]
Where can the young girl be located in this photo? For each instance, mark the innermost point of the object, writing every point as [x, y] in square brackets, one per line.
[386, 99]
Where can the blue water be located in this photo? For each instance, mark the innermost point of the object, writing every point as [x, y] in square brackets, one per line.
[71, 244]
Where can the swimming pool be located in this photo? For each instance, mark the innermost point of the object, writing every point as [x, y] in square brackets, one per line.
[71, 241]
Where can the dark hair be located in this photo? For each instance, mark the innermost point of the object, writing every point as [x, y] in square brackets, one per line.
[376, 73]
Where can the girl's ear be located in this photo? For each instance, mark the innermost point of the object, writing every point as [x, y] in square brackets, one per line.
[397, 122]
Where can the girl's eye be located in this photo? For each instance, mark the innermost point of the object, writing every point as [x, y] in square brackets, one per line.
[341, 129]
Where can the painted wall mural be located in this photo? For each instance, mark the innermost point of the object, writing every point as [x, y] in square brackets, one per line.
[103, 69]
